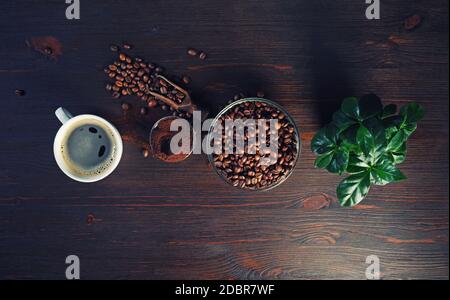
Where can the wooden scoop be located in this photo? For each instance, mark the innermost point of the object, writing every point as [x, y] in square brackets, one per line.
[186, 105]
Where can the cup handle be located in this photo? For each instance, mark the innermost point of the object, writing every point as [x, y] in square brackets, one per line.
[63, 115]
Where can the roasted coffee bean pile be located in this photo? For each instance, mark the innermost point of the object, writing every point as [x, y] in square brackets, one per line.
[245, 170]
[133, 76]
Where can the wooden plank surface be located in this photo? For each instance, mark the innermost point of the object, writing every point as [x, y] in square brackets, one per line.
[151, 220]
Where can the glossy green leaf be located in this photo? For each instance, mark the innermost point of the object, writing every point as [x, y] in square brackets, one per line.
[349, 135]
[353, 189]
[323, 160]
[365, 140]
[412, 113]
[350, 147]
[357, 164]
[339, 161]
[397, 156]
[389, 110]
[350, 107]
[390, 132]
[332, 132]
[393, 121]
[322, 142]
[342, 121]
[369, 106]
[376, 128]
[409, 129]
[385, 172]
[397, 140]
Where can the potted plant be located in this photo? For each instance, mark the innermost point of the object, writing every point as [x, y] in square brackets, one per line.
[366, 141]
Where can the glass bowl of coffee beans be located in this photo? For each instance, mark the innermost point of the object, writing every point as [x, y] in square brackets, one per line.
[254, 144]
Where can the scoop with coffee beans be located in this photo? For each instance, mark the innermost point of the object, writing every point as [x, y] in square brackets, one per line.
[133, 76]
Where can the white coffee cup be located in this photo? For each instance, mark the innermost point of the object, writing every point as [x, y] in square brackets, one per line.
[87, 148]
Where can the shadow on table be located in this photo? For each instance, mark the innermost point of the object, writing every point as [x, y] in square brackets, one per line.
[329, 78]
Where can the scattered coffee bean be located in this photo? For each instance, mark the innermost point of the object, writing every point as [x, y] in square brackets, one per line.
[145, 153]
[202, 55]
[186, 79]
[192, 52]
[412, 22]
[152, 103]
[19, 92]
[48, 51]
[126, 46]
[126, 106]
[133, 76]
[114, 48]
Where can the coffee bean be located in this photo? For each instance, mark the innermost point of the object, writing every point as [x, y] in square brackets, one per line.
[108, 87]
[412, 22]
[122, 57]
[152, 103]
[126, 106]
[192, 52]
[186, 79]
[19, 92]
[163, 90]
[114, 48]
[260, 94]
[145, 152]
[126, 46]
[48, 51]
[202, 55]
[143, 111]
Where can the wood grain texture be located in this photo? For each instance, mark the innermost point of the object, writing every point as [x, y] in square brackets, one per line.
[151, 220]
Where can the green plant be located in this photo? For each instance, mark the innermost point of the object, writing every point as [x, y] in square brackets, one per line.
[367, 141]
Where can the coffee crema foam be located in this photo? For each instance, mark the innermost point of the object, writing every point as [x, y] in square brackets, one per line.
[89, 148]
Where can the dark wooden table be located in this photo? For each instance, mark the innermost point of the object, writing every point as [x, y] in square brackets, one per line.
[151, 220]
